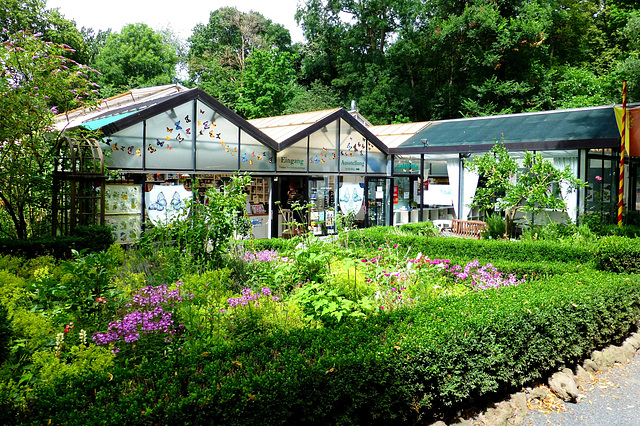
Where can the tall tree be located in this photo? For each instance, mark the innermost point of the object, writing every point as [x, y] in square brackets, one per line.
[32, 73]
[268, 83]
[219, 50]
[138, 56]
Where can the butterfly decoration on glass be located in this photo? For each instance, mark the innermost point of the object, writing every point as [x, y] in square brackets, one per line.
[160, 204]
[176, 202]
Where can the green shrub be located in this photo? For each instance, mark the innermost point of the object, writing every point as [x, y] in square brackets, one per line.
[89, 238]
[462, 249]
[496, 227]
[618, 254]
[6, 332]
[408, 366]
[421, 228]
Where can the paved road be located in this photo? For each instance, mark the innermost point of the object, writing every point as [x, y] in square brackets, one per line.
[612, 399]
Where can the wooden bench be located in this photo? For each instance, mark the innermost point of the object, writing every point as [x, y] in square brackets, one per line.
[466, 228]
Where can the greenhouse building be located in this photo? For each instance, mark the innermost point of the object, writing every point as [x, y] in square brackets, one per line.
[170, 143]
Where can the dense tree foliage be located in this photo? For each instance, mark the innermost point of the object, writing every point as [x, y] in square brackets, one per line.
[399, 59]
[138, 56]
[33, 74]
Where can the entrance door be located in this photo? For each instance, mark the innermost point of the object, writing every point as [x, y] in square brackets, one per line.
[290, 198]
[378, 202]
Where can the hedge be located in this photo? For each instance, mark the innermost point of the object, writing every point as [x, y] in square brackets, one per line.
[464, 248]
[89, 238]
[618, 254]
[408, 366]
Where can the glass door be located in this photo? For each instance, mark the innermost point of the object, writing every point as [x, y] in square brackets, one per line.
[322, 204]
[378, 202]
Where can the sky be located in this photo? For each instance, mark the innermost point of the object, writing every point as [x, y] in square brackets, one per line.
[180, 16]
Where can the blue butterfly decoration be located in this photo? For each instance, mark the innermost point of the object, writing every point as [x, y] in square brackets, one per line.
[160, 203]
[244, 157]
[177, 123]
[176, 202]
[316, 159]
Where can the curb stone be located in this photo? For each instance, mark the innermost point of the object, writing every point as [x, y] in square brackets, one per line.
[566, 384]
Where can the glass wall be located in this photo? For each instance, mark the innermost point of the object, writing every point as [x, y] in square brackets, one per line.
[216, 140]
[602, 178]
[125, 149]
[293, 158]
[377, 202]
[255, 156]
[353, 149]
[376, 160]
[169, 139]
[323, 150]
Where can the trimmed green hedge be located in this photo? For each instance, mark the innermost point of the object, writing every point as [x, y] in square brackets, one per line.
[463, 248]
[90, 238]
[404, 367]
[618, 254]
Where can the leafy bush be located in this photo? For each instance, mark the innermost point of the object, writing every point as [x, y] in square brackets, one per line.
[463, 249]
[618, 254]
[94, 238]
[6, 331]
[496, 227]
[421, 228]
[404, 367]
[89, 238]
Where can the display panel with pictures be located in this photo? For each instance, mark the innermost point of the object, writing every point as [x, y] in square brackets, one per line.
[123, 204]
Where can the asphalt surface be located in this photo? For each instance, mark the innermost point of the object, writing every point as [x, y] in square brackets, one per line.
[611, 399]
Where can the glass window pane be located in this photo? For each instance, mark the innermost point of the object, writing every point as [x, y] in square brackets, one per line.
[169, 142]
[376, 160]
[255, 156]
[353, 148]
[293, 158]
[216, 140]
[406, 164]
[123, 150]
[323, 153]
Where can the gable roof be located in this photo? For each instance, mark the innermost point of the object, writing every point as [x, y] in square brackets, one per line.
[593, 127]
[286, 130]
[118, 119]
[77, 116]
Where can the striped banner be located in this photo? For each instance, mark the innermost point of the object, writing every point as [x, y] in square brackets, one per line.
[622, 150]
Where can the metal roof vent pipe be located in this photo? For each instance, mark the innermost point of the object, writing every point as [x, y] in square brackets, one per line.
[353, 106]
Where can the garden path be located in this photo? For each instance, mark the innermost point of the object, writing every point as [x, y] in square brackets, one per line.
[612, 399]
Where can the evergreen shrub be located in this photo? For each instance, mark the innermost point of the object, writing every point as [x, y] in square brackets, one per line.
[404, 367]
[618, 254]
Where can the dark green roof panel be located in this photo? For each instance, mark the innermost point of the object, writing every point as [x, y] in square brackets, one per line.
[589, 124]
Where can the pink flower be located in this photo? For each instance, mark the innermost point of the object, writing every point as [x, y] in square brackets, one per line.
[598, 178]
